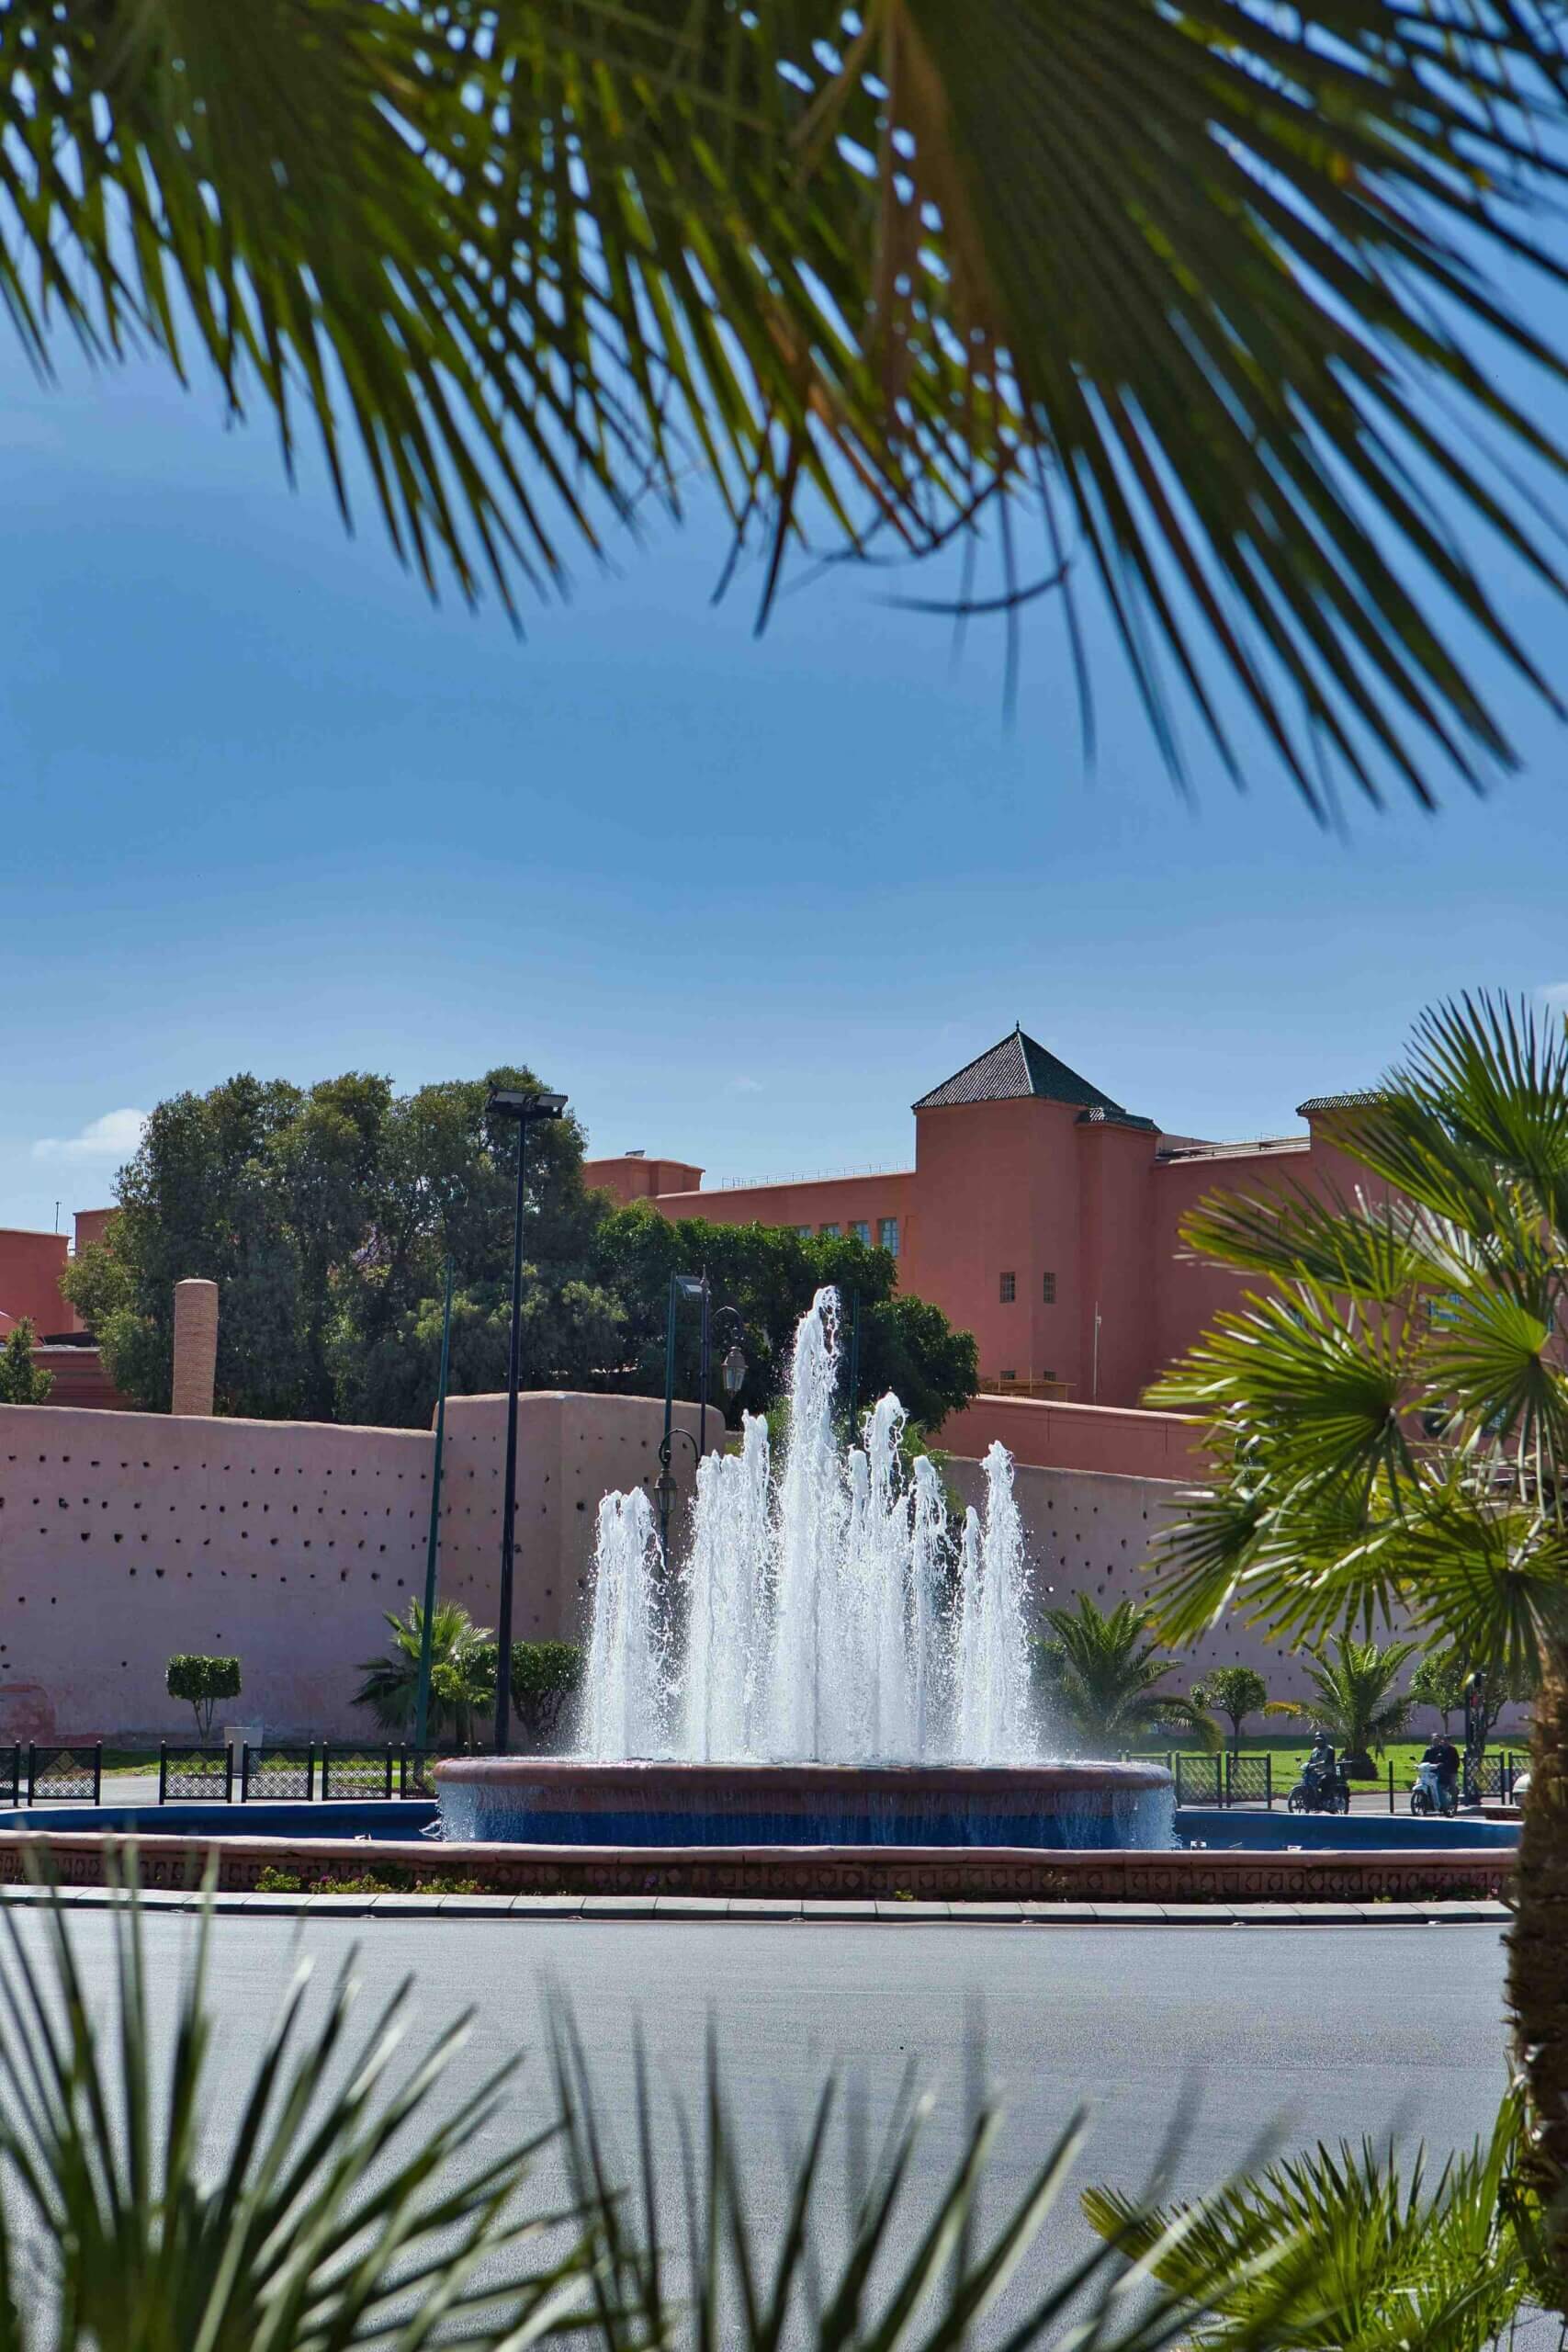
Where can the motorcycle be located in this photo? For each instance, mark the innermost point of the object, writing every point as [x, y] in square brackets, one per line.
[1432, 1793]
[1320, 1791]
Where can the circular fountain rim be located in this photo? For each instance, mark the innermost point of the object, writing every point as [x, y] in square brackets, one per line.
[1061, 1778]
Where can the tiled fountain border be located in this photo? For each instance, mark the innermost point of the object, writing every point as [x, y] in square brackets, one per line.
[794, 1873]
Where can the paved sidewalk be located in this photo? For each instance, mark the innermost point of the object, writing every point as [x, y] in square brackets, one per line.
[776, 1909]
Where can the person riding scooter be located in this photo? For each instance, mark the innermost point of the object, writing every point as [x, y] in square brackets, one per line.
[1445, 1756]
[1323, 1787]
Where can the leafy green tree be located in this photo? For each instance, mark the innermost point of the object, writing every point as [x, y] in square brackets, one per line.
[524, 266]
[325, 1217]
[1389, 1411]
[22, 1382]
[462, 1673]
[770, 1276]
[546, 1677]
[1234, 1691]
[202, 1682]
[1439, 1682]
[1098, 1676]
[1353, 1696]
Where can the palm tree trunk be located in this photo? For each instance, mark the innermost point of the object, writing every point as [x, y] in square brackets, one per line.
[1537, 1943]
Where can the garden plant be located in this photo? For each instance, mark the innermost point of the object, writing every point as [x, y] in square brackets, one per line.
[1098, 1676]
[1353, 1698]
[203, 1681]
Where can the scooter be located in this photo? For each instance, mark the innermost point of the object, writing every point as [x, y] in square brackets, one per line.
[1319, 1791]
[1432, 1793]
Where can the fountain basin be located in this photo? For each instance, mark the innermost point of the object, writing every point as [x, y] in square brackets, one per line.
[575, 1801]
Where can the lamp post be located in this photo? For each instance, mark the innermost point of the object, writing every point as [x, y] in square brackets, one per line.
[427, 1627]
[734, 1373]
[525, 1108]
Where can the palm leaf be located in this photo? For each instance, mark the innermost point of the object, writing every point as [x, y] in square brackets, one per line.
[1185, 293]
[1346, 2250]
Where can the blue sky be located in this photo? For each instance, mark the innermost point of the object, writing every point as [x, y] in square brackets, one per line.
[262, 807]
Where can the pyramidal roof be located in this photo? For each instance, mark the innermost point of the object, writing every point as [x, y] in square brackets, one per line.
[1018, 1068]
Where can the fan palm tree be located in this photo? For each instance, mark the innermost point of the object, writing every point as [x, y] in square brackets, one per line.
[1177, 302]
[1099, 1675]
[1389, 1413]
[462, 1672]
[1353, 1695]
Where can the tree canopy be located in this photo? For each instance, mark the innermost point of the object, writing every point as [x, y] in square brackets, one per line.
[326, 1213]
[22, 1382]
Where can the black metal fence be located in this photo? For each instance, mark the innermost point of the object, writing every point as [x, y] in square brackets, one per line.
[1224, 1781]
[278, 1772]
[1249, 1779]
[61, 1775]
[195, 1775]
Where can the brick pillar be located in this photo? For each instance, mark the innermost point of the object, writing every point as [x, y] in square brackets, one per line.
[196, 1346]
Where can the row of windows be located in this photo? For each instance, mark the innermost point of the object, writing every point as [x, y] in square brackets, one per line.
[858, 1229]
[1007, 1289]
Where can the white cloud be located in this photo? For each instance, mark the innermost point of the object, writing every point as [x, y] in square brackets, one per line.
[1556, 995]
[745, 1086]
[114, 1136]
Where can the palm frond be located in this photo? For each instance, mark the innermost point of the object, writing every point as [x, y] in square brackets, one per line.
[1188, 294]
[1348, 2249]
[340, 2207]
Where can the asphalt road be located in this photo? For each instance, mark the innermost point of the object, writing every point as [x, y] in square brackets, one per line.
[1280, 2033]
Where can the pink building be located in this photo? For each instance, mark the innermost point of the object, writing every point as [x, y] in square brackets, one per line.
[1041, 1215]
[31, 1268]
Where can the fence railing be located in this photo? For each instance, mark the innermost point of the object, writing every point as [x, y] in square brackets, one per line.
[192, 1772]
[58, 1774]
[276, 1772]
[1223, 1781]
[195, 1775]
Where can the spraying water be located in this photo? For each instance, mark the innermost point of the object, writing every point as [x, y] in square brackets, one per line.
[819, 1617]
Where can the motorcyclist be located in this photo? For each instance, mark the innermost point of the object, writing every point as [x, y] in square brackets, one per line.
[1445, 1756]
[1319, 1768]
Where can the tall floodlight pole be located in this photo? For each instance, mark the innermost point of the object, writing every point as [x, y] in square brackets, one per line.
[681, 1287]
[426, 1631]
[511, 1103]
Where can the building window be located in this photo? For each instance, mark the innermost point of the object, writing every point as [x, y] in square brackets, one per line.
[828, 1232]
[1048, 1289]
[1009, 1289]
[1006, 1375]
[887, 1234]
[860, 1231]
[803, 1232]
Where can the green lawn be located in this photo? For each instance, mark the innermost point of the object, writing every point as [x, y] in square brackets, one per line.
[1290, 1751]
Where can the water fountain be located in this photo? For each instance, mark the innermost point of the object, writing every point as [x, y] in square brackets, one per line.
[831, 1664]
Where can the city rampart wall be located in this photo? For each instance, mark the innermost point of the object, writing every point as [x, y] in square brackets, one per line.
[125, 1537]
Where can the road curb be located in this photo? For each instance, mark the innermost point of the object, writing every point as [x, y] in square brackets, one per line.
[774, 1911]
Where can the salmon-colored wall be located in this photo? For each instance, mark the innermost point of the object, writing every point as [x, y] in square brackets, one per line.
[814, 1202]
[634, 1177]
[31, 1268]
[125, 1537]
[1076, 1437]
[997, 1192]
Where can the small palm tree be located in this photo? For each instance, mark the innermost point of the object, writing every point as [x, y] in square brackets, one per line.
[462, 1672]
[1354, 1698]
[1099, 1677]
